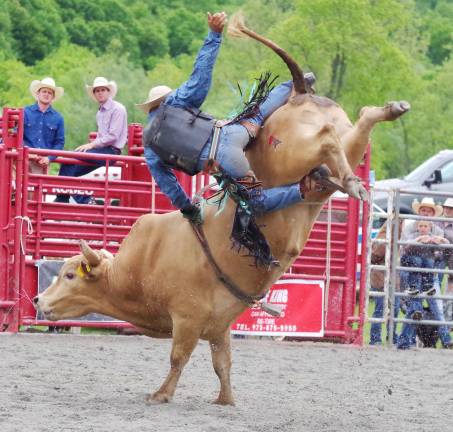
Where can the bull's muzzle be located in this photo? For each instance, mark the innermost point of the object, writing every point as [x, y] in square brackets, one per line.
[45, 311]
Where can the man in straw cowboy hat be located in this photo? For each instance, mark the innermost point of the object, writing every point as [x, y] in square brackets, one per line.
[424, 233]
[171, 139]
[111, 136]
[43, 125]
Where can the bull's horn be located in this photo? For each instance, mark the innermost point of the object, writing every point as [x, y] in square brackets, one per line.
[237, 28]
[91, 255]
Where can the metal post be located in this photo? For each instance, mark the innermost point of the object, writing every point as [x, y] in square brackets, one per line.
[393, 265]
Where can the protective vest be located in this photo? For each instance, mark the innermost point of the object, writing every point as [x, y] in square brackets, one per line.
[177, 136]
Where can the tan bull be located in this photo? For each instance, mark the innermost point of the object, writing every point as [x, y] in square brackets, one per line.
[161, 281]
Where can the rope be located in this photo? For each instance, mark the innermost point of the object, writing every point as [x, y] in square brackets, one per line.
[29, 230]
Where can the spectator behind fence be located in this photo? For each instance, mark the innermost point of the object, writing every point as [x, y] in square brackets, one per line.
[424, 282]
[428, 208]
[377, 278]
[448, 254]
[43, 125]
[111, 136]
[422, 255]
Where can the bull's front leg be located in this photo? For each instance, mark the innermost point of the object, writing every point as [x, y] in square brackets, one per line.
[186, 333]
[332, 153]
[221, 360]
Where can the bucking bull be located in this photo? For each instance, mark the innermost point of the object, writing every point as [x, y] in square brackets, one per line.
[161, 280]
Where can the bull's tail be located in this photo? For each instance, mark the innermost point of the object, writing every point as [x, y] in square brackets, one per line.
[237, 28]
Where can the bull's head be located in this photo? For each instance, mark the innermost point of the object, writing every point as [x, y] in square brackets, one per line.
[78, 287]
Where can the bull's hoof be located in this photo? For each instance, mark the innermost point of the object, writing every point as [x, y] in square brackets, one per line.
[396, 109]
[157, 398]
[324, 180]
[355, 188]
[223, 401]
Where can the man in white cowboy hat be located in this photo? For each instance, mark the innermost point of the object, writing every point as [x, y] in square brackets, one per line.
[197, 152]
[111, 136]
[43, 125]
[416, 282]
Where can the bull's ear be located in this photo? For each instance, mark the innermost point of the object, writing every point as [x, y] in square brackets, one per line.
[91, 256]
[83, 269]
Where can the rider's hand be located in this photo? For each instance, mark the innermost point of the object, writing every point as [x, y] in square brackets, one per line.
[217, 21]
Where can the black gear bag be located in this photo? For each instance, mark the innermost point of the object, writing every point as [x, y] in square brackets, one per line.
[178, 135]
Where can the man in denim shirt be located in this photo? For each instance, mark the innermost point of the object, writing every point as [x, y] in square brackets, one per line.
[233, 137]
[43, 126]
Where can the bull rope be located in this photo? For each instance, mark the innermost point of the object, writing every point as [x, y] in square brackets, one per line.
[29, 230]
[247, 299]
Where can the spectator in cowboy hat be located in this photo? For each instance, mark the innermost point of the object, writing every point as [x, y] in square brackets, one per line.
[43, 125]
[417, 282]
[111, 136]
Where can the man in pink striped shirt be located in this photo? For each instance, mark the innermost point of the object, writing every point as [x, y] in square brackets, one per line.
[111, 136]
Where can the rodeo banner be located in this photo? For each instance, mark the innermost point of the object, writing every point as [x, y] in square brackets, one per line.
[302, 302]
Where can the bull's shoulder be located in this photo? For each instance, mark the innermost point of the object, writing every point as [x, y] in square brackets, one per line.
[150, 225]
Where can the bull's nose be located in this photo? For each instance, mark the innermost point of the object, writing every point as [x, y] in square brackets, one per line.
[36, 300]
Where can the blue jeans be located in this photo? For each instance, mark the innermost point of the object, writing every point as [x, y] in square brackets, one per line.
[409, 331]
[376, 328]
[72, 170]
[414, 279]
[264, 201]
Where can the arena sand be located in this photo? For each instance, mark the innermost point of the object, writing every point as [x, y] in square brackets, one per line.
[63, 383]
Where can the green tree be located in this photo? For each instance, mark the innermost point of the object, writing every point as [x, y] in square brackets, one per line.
[37, 28]
[183, 27]
[438, 23]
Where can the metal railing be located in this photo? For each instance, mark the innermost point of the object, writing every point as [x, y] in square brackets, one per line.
[392, 267]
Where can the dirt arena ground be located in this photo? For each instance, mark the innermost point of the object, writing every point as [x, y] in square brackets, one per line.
[63, 383]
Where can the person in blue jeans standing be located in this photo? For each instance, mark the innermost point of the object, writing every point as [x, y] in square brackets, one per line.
[422, 256]
[233, 139]
[377, 279]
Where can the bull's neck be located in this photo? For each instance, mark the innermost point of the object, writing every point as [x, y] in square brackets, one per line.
[109, 301]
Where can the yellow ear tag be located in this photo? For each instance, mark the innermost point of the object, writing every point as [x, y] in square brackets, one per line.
[80, 272]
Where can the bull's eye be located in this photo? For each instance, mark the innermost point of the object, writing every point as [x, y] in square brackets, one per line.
[69, 276]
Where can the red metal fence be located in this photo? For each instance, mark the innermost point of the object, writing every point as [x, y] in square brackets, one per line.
[33, 227]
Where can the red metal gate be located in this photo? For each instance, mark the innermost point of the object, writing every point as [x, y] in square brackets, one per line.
[33, 227]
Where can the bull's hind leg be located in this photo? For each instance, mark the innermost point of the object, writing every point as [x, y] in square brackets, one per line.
[221, 360]
[332, 153]
[356, 140]
[185, 337]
